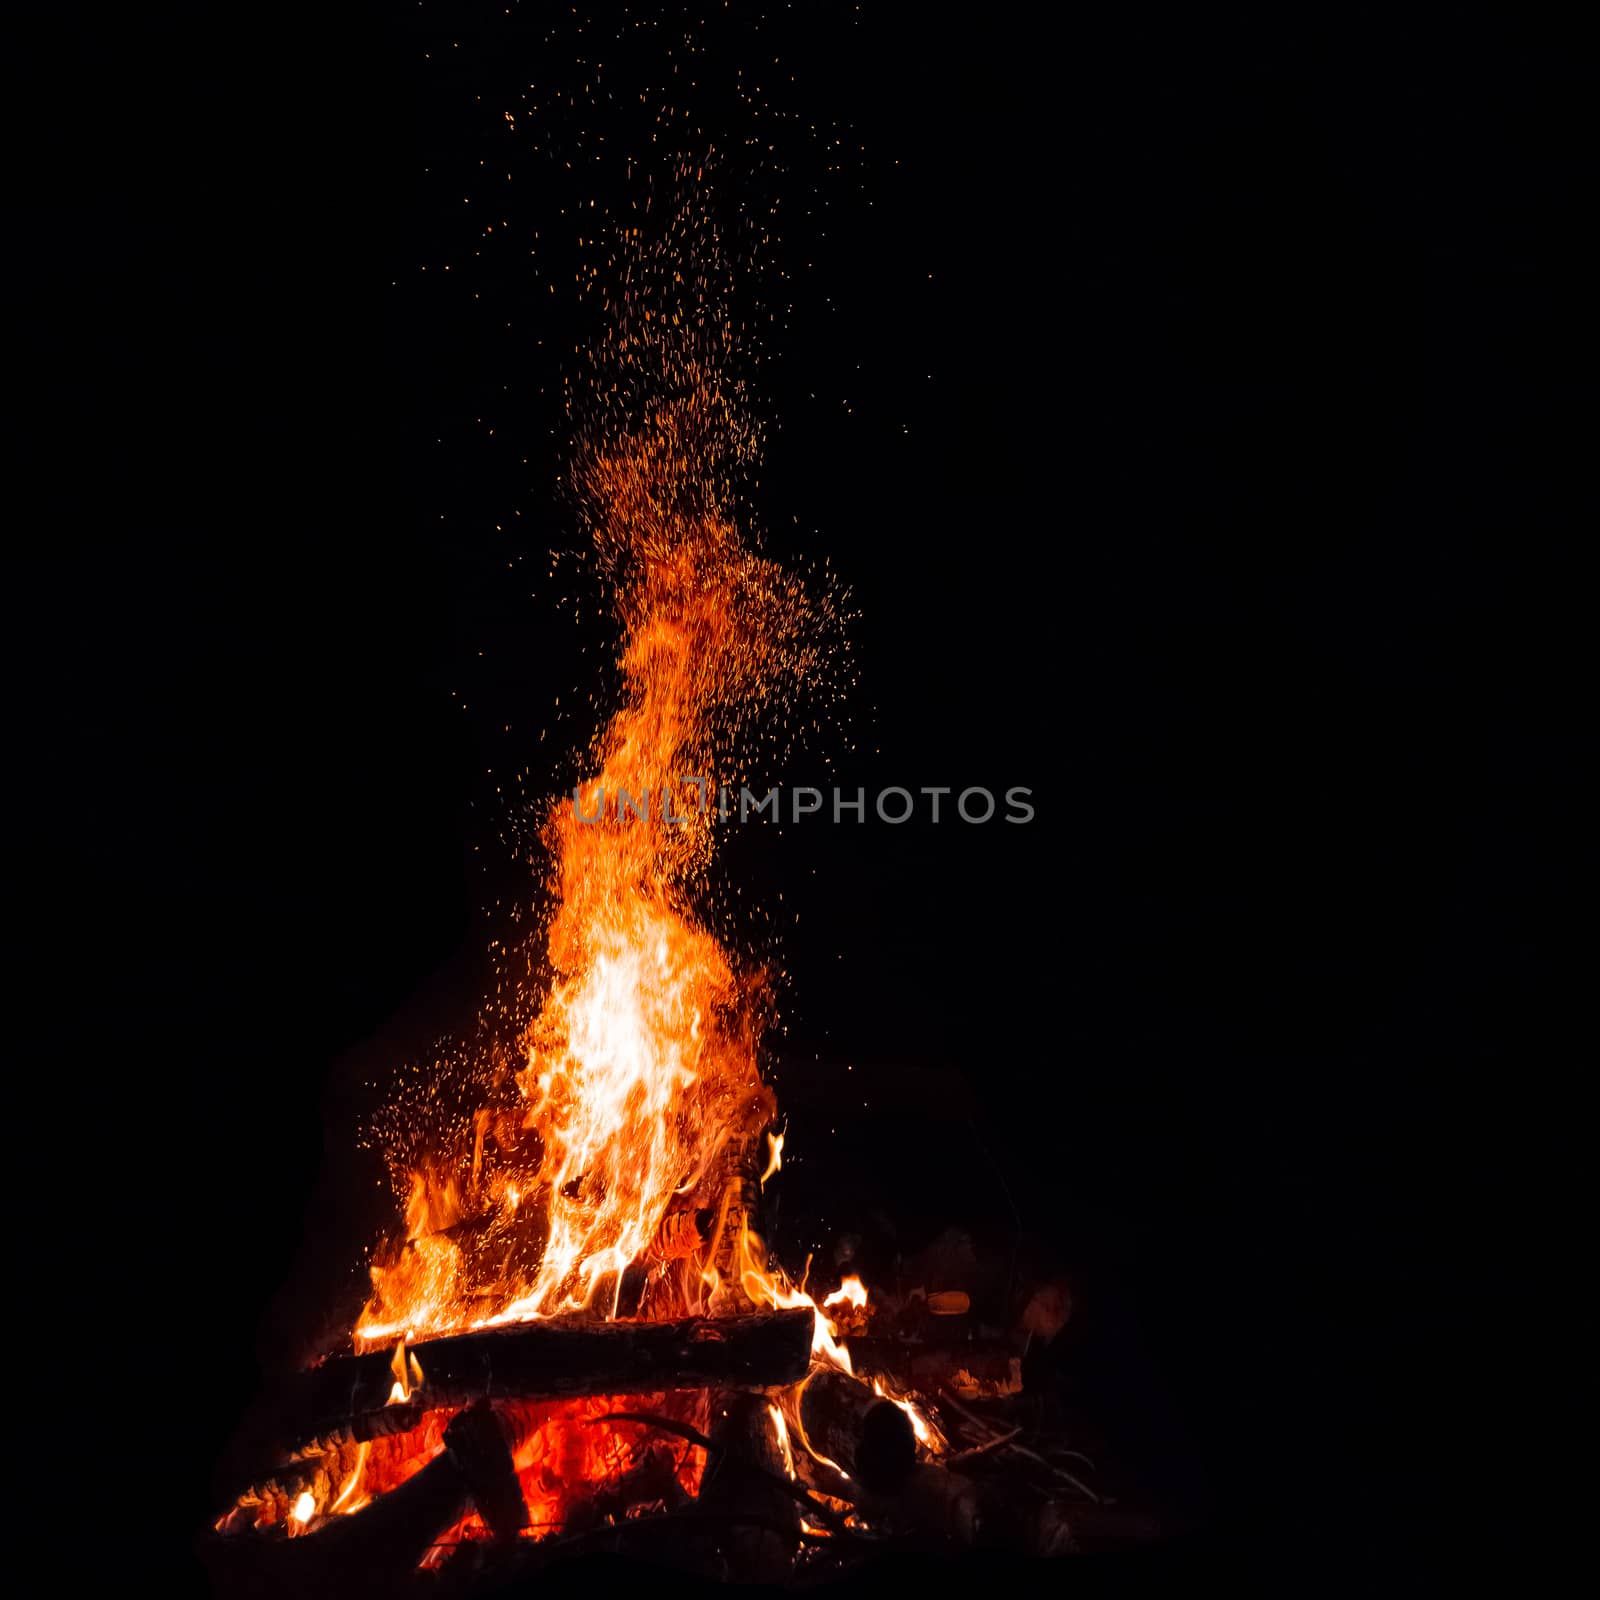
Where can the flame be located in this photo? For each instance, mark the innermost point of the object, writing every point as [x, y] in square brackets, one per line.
[638, 1078]
[766, 1284]
[774, 1156]
[851, 1292]
[625, 1117]
[343, 1503]
[928, 1436]
[407, 1372]
[784, 1447]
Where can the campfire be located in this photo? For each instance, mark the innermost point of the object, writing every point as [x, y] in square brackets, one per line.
[578, 1339]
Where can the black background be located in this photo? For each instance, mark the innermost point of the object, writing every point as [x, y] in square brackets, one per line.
[1233, 520]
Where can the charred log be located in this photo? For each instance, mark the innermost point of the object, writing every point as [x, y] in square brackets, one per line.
[315, 1462]
[737, 1173]
[553, 1360]
[383, 1542]
[869, 1437]
[680, 1238]
[681, 1234]
[481, 1443]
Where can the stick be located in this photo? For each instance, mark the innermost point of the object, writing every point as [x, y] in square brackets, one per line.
[1022, 1450]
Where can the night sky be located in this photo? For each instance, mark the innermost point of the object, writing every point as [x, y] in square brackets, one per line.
[1188, 406]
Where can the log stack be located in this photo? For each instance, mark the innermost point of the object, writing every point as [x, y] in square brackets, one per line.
[332, 1409]
[796, 1456]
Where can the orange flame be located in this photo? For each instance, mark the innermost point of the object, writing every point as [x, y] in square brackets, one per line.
[774, 1156]
[639, 1084]
[631, 1106]
[347, 1500]
[851, 1292]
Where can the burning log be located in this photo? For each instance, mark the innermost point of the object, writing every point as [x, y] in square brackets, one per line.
[741, 1190]
[554, 1360]
[681, 1237]
[744, 1485]
[385, 1540]
[870, 1438]
[681, 1234]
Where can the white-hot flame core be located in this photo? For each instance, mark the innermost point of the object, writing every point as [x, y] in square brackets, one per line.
[851, 1292]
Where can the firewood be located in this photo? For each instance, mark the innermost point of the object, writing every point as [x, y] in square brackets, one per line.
[481, 1444]
[681, 1234]
[380, 1545]
[737, 1168]
[868, 1437]
[822, 1478]
[552, 1360]
[987, 1431]
[742, 1489]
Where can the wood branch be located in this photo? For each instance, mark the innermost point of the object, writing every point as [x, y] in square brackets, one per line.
[553, 1360]
[982, 1449]
[382, 1543]
[1059, 1473]
[869, 1437]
